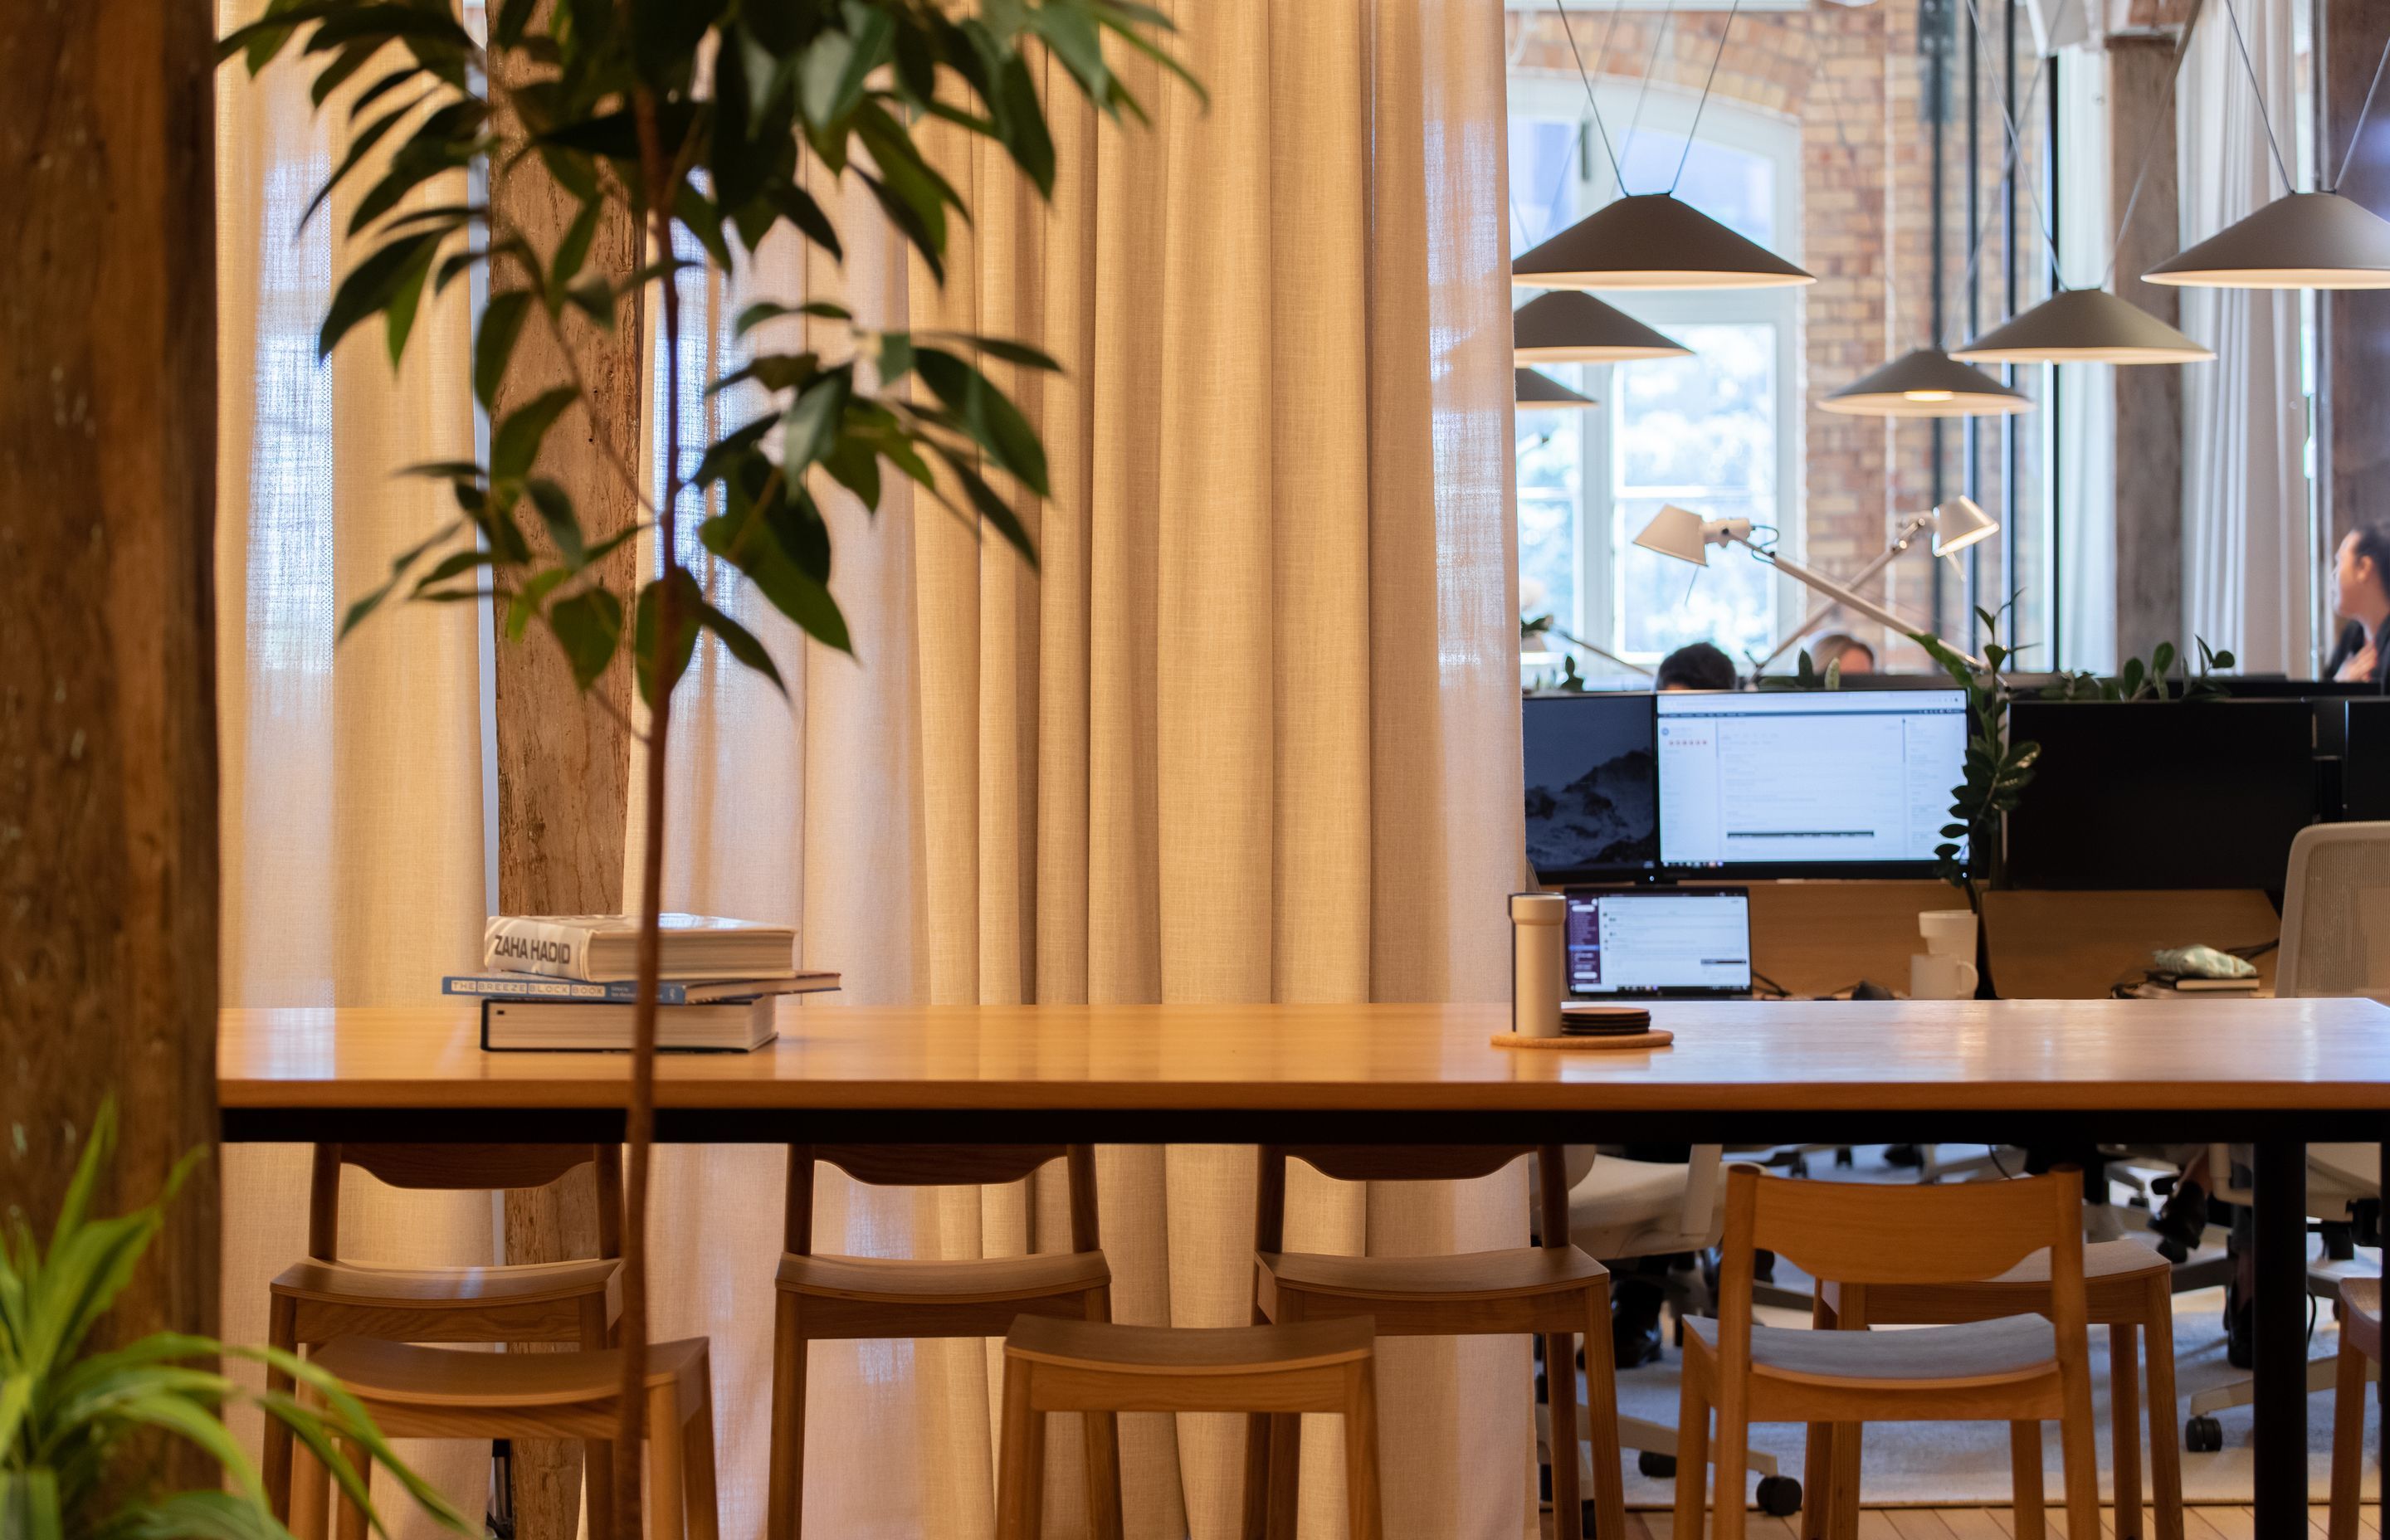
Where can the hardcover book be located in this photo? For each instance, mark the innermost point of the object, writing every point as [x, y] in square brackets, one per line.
[578, 1026]
[669, 992]
[600, 948]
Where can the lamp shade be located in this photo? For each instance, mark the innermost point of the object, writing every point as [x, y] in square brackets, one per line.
[1959, 523]
[2084, 325]
[2305, 241]
[1540, 390]
[1927, 383]
[1572, 327]
[1679, 533]
[1652, 240]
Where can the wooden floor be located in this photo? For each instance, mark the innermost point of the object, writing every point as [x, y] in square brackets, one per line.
[1992, 1523]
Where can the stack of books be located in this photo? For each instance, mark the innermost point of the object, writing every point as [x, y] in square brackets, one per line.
[568, 983]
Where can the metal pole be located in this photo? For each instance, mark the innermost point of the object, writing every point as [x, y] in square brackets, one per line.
[1916, 525]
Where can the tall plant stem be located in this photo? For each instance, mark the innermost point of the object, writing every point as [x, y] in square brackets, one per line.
[639, 1120]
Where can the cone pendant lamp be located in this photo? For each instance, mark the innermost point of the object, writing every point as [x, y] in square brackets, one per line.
[1927, 383]
[2304, 240]
[1537, 391]
[2084, 325]
[1652, 241]
[1572, 327]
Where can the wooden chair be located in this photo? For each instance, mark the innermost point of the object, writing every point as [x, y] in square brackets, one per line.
[2360, 1343]
[2127, 1288]
[1059, 1366]
[843, 1298]
[1553, 1289]
[322, 1299]
[437, 1392]
[2020, 1369]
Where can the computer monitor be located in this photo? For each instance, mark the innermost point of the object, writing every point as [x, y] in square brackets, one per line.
[1807, 783]
[1592, 787]
[2365, 761]
[1658, 941]
[2162, 794]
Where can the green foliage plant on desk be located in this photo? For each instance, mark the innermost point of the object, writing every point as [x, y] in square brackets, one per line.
[712, 120]
[1998, 769]
[78, 1424]
[2148, 681]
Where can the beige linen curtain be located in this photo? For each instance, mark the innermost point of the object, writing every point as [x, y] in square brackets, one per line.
[351, 778]
[1248, 733]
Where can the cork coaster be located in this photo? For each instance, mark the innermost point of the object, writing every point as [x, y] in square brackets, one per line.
[1658, 1037]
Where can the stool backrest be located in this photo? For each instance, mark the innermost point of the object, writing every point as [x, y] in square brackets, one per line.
[1858, 1232]
[1408, 1162]
[907, 1165]
[461, 1168]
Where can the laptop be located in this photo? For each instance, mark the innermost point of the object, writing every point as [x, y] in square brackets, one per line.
[1658, 943]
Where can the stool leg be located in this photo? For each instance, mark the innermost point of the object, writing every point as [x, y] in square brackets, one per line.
[697, 1465]
[1601, 1417]
[667, 1499]
[596, 1454]
[785, 1505]
[1020, 1457]
[2125, 1411]
[1843, 1521]
[1286, 1448]
[2165, 1427]
[2347, 1439]
[351, 1520]
[2024, 1479]
[1692, 1457]
[1101, 1433]
[1361, 1492]
[1559, 1424]
[1818, 1445]
[311, 1484]
[281, 1331]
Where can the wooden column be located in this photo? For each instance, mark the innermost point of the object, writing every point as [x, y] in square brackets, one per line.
[2148, 397]
[564, 760]
[2353, 354]
[108, 766]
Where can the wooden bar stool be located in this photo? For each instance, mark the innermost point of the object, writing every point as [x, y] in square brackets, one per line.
[2020, 1369]
[843, 1298]
[1553, 1289]
[2127, 1288]
[2360, 1342]
[438, 1393]
[1060, 1365]
[323, 1299]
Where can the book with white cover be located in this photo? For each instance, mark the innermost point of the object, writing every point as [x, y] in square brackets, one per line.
[597, 948]
[670, 992]
[578, 1026]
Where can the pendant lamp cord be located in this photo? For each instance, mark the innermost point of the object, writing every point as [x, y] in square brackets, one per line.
[1651, 68]
[2362, 113]
[1705, 101]
[2016, 144]
[2265, 119]
[1593, 106]
[2158, 121]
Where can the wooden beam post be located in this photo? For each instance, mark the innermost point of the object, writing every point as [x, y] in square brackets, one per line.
[563, 770]
[2148, 468]
[108, 764]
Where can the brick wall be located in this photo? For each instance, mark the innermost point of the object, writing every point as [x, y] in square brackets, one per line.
[1853, 83]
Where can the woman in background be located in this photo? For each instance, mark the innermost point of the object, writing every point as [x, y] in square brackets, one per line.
[1840, 647]
[2362, 581]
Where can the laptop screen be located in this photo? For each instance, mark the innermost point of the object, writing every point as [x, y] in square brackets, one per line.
[1663, 942]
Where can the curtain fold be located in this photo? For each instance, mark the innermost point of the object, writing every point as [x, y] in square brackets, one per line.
[2248, 572]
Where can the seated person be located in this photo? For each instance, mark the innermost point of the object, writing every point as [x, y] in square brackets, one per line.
[1696, 666]
[1840, 647]
[2361, 597]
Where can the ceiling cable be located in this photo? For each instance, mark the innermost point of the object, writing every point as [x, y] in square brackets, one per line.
[2150, 141]
[1705, 101]
[2265, 119]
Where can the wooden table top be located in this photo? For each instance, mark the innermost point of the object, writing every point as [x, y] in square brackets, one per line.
[1807, 1056]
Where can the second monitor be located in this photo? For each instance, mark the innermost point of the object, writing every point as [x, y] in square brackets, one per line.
[1810, 783]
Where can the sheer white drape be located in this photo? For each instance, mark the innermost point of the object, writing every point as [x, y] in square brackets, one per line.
[2248, 573]
[2086, 395]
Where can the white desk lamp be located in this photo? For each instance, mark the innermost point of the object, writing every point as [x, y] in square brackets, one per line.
[1956, 525]
[1682, 534]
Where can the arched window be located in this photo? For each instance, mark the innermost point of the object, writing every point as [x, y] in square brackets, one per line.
[1718, 432]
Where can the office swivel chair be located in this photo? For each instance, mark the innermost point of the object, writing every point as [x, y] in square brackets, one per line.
[2335, 942]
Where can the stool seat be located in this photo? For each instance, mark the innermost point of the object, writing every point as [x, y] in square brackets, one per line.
[1522, 1272]
[460, 1288]
[2014, 1347]
[1101, 1346]
[397, 1374]
[905, 1280]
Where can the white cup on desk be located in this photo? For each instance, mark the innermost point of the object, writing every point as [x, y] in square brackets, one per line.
[1940, 976]
[1948, 933]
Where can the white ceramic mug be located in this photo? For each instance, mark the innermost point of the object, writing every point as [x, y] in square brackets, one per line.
[1948, 933]
[1939, 976]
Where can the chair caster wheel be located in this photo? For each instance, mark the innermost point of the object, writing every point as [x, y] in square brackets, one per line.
[2203, 1435]
[1844, 1158]
[1780, 1496]
[1658, 1466]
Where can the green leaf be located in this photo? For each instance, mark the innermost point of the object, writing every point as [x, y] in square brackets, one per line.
[766, 310]
[831, 76]
[595, 299]
[398, 567]
[398, 316]
[798, 208]
[371, 286]
[789, 588]
[555, 505]
[1003, 348]
[741, 644]
[854, 467]
[572, 251]
[453, 564]
[992, 422]
[812, 420]
[732, 447]
[983, 499]
[530, 597]
[589, 624]
[703, 220]
[648, 628]
[515, 446]
[502, 321]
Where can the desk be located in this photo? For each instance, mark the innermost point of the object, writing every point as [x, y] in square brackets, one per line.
[2273, 1072]
[2078, 946]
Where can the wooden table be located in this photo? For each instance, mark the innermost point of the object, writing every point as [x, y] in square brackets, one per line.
[2276, 1073]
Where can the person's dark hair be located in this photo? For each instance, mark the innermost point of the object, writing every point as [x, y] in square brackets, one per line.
[2373, 541]
[1835, 645]
[1698, 666]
